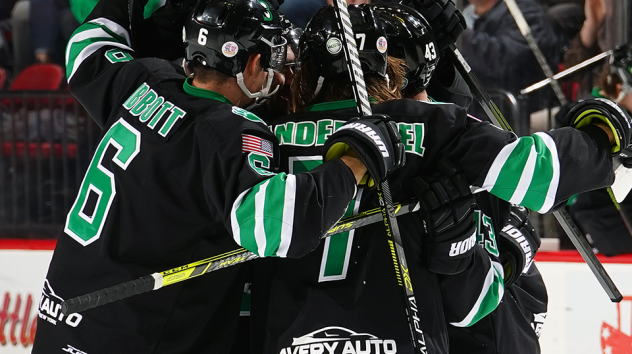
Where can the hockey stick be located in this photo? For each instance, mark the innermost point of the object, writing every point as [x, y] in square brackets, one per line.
[565, 220]
[156, 281]
[356, 75]
[525, 30]
[563, 74]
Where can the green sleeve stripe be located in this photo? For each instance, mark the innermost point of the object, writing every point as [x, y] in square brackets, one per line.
[526, 172]
[504, 174]
[262, 218]
[543, 188]
[243, 213]
[89, 38]
[489, 298]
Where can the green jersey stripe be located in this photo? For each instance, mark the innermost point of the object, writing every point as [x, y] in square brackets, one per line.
[262, 217]
[494, 171]
[260, 220]
[243, 226]
[287, 226]
[555, 176]
[526, 172]
[89, 38]
[489, 298]
[526, 177]
[510, 171]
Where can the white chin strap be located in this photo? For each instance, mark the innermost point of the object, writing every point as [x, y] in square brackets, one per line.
[265, 90]
[319, 85]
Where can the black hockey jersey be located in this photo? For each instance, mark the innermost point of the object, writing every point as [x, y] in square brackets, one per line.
[345, 294]
[179, 175]
[303, 301]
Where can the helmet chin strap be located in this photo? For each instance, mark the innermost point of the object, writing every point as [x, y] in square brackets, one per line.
[265, 90]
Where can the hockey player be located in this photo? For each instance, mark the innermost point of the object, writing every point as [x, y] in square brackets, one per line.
[182, 173]
[341, 295]
[515, 325]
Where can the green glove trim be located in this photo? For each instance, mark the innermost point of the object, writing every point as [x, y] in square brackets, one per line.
[586, 118]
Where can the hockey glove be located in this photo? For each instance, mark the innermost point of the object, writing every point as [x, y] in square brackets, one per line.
[586, 111]
[518, 243]
[445, 19]
[377, 142]
[447, 210]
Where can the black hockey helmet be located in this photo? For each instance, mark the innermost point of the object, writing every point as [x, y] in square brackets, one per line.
[222, 34]
[292, 33]
[322, 41]
[411, 39]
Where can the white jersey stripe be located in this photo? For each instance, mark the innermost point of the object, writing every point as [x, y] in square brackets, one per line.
[287, 226]
[489, 280]
[234, 224]
[526, 177]
[497, 165]
[555, 179]
[89, 50]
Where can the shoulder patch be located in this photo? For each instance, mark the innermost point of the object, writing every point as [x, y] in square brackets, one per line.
[252, 143]
[247, 114]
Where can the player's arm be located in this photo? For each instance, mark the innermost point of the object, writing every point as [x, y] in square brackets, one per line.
[538, 171]
[96, 54]
[285, 215]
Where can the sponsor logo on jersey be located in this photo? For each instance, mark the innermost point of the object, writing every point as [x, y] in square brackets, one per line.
[461, 247]
[72, 350]
[340, 340]
[524, 244]
[50, 308]
[230, 49]
[334, 46]
[372, 134]
[382, 45]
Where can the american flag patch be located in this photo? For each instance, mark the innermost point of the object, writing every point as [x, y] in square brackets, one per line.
[251, 143]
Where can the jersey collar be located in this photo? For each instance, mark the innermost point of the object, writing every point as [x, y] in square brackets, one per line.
[334, 105]
[203, 93]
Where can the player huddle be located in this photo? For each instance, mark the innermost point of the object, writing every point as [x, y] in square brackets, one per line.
[256, 141]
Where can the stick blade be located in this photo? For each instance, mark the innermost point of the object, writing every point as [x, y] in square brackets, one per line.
[622, 181]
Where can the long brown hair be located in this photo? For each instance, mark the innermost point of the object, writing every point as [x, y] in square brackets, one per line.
[339, 88]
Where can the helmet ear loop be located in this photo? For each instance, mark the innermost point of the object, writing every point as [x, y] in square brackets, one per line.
[187, 65]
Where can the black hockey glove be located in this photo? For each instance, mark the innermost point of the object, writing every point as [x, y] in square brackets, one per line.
[626, 157]
[518, 243]
[586, 111]
[447, 210]
[445, 19]
[377, 142]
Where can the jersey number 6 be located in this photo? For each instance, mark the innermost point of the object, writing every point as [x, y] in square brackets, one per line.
[89, 211]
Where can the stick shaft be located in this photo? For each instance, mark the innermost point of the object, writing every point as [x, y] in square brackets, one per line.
[189, 271]
[418, 340]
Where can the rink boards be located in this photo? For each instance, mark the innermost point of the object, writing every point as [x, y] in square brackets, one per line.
[581, 319]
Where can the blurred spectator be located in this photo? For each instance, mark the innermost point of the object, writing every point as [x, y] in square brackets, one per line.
[498, 53]
[566, 16]
[586, 44]
[51, 24]
[596, 212]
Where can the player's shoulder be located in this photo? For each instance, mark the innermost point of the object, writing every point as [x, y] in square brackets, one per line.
[408, 108]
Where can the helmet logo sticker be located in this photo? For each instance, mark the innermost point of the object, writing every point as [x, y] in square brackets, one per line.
[267, 15]
[334, 46]
[230, 49]
[382, 45]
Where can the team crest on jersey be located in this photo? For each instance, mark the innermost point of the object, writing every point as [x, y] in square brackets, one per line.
[50, 308]
[340, 340]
